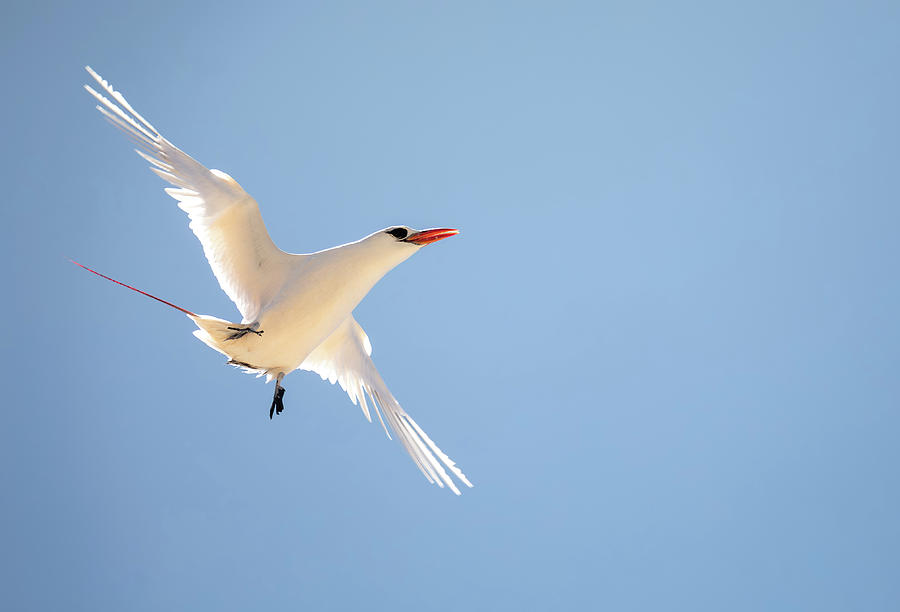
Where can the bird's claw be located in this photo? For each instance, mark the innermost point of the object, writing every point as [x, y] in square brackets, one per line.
[240, 332]
[277, 402]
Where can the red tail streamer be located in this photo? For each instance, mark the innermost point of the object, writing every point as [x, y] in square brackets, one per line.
[187, 312]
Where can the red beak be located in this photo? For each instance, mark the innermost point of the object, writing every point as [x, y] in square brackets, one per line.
[431, 235]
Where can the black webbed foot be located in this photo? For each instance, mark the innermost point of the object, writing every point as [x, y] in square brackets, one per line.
[240, 332]
[277, 404]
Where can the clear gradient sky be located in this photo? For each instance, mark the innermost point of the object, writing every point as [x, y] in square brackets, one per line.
[664, 346]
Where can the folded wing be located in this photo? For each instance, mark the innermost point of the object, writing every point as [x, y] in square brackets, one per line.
[345, 357]
[249, 267]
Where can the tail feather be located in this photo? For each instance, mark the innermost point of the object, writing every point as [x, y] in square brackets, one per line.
[219, 335]
[214, 332]
[184, 310]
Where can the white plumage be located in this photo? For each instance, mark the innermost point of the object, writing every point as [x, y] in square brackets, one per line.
[296, 309]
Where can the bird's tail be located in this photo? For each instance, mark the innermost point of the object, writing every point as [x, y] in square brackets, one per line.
[214, 332]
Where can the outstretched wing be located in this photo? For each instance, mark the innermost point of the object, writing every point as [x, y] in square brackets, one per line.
[247, 264]
[344, 357]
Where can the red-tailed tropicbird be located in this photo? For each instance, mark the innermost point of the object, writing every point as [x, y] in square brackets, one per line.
[297, 310]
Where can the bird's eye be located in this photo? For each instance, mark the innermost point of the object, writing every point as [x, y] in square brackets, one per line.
[399, 233]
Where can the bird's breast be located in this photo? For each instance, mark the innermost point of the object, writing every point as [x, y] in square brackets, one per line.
[304, 313]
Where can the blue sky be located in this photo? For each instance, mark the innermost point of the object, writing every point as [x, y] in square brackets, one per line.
[664, 346]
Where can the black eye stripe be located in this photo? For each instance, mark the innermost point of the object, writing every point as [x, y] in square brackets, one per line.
[399, 233]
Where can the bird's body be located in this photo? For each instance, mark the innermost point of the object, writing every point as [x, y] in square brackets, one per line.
[296, 309]
[312, 296]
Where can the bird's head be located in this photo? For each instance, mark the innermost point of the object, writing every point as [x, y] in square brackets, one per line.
[399, 242]
[406, 235]
[386, 248]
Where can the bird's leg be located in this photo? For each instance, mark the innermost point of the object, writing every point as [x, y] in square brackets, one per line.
[277, 403]
[243, 330]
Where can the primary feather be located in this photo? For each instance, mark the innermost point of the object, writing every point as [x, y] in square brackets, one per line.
[226, 220]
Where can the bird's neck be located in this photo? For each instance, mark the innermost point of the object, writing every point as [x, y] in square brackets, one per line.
[359, 265]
